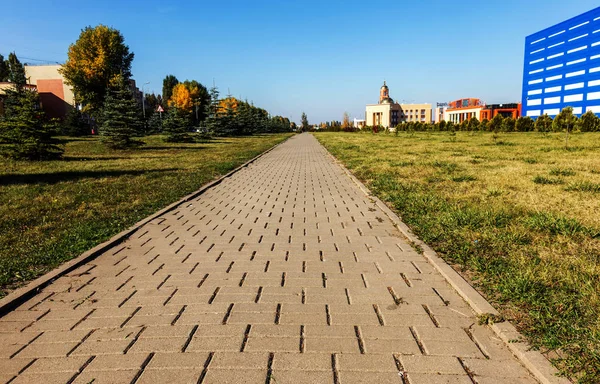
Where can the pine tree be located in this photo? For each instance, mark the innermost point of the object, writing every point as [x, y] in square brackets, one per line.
[120, 118]
[213, 123]
[524, 124]
[16, 71]
[589, 122]
[483, 125]
[566, 121]
[74, 124]
[473, 124]
[495, 125]
[543, 124]
[304, 121]
[169, 83]
[176, 126]
[155, 123]
[3, 69]
[508, 124]
[24, 130]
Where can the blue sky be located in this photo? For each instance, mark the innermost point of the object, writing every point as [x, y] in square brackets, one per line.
[321, 57]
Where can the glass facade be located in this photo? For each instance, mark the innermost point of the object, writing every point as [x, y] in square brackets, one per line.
[562, 67]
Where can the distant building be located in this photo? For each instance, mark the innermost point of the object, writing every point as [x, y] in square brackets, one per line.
[562, 67]
[388, 114]
[440, 112]
[463, 109]
[466, 109]
[55, 95]
[415, 113]
[359, 124]
[506, 110]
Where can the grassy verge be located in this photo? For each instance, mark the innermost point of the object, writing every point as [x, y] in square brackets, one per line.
[53, 211]
[518, 215]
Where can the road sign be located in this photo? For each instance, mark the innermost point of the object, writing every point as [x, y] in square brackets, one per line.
[160, 109]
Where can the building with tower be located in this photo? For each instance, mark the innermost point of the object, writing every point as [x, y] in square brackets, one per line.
[388, 114]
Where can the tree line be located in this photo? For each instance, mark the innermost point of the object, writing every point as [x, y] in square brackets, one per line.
[190, 107]
[98, 69]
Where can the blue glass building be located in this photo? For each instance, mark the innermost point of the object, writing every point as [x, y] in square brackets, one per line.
[562, 67]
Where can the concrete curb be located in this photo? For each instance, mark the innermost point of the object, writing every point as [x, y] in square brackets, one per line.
[533, 360]
[20, 295]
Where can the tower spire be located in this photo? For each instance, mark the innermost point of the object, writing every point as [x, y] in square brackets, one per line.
[384, 93]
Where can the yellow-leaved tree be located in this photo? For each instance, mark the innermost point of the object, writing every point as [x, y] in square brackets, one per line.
[229, 103]
[181, 98]
[346, 125]
[95, 62]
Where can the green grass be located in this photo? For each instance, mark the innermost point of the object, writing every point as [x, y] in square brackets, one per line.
[54, 211]
[547, 180]
[520, 221]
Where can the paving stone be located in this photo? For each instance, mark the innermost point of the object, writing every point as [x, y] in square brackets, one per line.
[100, 347]
[106, 377]
[423, 378]
[131, 361]
[400, 333]
[333, 345]
[495, 369]
[183, 376]
[432, 365]
[302, 362]
[273, 344]
[186, 360]
[166, 331]
[505, 380]
[171, 344]
[367, 363]
[384, 346]
[229, 376]
[9, 350]
[61, 336]
[442, 334]
[308, 377]
[240, 360]
[213, 344]
[47, 350]
[57, 364]
[355, 377]
[10, 367]
[221, 330]
[452, 348]
[55, 377]
[264, 330]
[324, 331]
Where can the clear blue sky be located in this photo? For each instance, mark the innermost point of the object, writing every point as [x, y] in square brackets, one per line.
[321, 57]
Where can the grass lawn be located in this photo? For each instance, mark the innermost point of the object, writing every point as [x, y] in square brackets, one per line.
[53, 211]
[518, 215]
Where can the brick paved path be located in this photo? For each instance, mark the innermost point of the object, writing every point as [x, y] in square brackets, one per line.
[283, 273]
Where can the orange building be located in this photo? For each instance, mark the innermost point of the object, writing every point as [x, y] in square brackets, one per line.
[466, 109]
[506, 110]
[463, 109]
